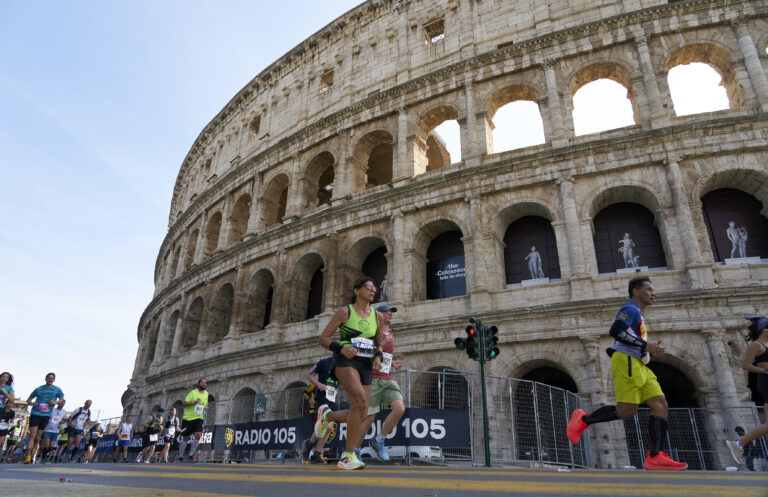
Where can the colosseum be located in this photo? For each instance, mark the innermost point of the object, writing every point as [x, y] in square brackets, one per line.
[327, 166]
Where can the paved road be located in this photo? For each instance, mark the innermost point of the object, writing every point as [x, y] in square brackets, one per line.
[277, 480]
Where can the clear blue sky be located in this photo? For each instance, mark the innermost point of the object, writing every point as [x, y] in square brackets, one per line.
[100, 102]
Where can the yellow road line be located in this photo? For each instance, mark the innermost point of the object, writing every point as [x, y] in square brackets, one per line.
[573, 488]
[22, 488]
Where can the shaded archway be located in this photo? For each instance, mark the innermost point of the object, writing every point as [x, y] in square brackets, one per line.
[735, 224]
[173, 270]
[189, 255]
[220, 313]
[375, 266]
[257, 310]
[530, 250]
[446, 270]
[371, 161]
[626, 238]
[212, 232]
[239, 221]
[244, 406]
[170, 333]
[191, 326]
[306, 288]
[319, 178]
[275, 200]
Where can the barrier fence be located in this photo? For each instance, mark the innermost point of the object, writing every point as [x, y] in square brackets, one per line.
[443, 424]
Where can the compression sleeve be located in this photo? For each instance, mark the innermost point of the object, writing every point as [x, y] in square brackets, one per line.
[620, 331]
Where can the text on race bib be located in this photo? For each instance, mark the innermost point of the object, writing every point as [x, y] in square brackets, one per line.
[199, 409]
[386, 363]
[330, 393]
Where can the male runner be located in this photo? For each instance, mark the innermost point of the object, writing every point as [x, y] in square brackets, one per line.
[195, 405]
[318, 376]
[14, 435]
[76, 427]
[49, 441]
[46, 396]
[633, 382]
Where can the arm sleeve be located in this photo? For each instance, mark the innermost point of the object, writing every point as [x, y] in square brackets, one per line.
[620, 331]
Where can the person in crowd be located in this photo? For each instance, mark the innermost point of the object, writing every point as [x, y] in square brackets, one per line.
[51, 432]
[45, 397]
[94, 435]
[170, 431]
[755, 361]
[384, 390]
[6, 402]
[124, 434]
[633, 381]
[15, 434]
[152, 429]
[195, 405]
[76, 427]
[319, 376]
[355, 356]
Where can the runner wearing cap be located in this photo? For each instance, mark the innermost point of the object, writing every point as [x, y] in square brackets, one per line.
[195, 405]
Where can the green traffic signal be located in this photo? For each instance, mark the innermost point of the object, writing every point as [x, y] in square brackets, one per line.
[491, 340]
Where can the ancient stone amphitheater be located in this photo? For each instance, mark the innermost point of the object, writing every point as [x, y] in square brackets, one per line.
[326, 166]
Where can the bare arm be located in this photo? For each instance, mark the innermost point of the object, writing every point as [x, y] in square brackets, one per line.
[749, 357]
[339, 317]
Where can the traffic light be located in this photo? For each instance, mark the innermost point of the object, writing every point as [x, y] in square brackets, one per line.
[473, 351]
[491, 350]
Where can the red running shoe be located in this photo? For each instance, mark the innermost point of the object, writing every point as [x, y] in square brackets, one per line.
[576, 426]
[662, 462]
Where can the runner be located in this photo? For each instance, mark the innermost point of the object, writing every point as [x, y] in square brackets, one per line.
[755, 361]
[46, 396]
[76, 427]
[171, 429]
[385, 390]
[6, 402]
[14, 435]
[94, 435]
[124, 433]
[63, 439]
[355, 355]
[320, 377]
[633, 382]
[152, 429]
[195, 405]
[56, 421]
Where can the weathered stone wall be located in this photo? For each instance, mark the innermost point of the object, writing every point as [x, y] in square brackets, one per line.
[390, 84]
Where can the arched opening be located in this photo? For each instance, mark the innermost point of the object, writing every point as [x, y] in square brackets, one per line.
[212, 231]
[220, 313]
[152, 344]
[437, 140]
[375, 266]
[292, 404]
[258, 305]
[626, 239]
[275, 200]
[174, 264]
[244, 406]
[371, 161]
[319, 178]
[735, 225]
[446, 271]
[239, 221]
[315, 297]
[189, 256]
[441, 388]
[602, 98]
[513, 119]
[540, 395]
[530, 251]
[170, 333]
[306, 289]
[701, 78]
[191, 328]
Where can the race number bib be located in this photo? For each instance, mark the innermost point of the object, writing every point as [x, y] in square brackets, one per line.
[43, 407]
[364, 346]
[123, 436]
[330, 393]
[153, 438]
[646, 358]
[3, 425]
[386, 363]
[55, 419]
[199, 409]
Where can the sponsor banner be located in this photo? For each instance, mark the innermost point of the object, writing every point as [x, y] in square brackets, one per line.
[433, 427]
[108, 443]
[446, 277]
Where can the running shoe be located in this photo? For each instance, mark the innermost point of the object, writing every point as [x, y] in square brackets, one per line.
[305, 451]
[317, 458]
[377, 444]
[321, 425]
[736, 451]
[662, 462]
[576, 426]
[138, 458]
[350, 461]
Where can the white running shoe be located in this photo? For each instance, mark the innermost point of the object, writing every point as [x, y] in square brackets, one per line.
[350, 461]
[736, 451]
[321, 425]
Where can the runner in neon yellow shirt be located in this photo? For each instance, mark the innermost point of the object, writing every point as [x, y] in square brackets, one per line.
[195, 405]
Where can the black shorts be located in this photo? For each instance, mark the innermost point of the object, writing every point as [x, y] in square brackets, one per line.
[320, 400]
[37, 421]
[94, 442]
[762, 386]
[145, 438]
[190, 426]
[4, 432]
[361, 364]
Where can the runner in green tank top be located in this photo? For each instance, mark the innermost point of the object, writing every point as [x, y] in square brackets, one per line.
[355, 356]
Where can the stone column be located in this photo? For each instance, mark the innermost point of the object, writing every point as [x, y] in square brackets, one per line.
[200, 239]
[470, 146]
[179, 325]
[476, 258]
[751, 59]
[295, 190]
[573, 238]
[553, 124]
[399, 288]
[255, 223]
[225, 234]
[649, 78]
[402, 168]
[721, 371]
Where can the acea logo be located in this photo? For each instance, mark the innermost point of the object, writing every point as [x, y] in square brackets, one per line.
[229, 436]
[332, 427]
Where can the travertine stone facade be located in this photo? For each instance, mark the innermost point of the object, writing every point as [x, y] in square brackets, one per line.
[248, 228]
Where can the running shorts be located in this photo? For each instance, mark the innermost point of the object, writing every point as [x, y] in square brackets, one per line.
[38, 421]
[361, 364]
[633, 381]
[190, 426]
[383, 392]
[762, 386]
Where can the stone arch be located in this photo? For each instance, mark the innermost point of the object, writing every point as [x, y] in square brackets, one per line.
[736, 224]
[305, 283]
[220, 313]
[170, 333]
[275, 200]
[504, 97]
[244, 406]
[752, 179]
[259, 295]
[372, 161]
[154, 334]
[241, 212]
[191, 326]
[530, 251]
[367, 257]
[431, 151]
[189, 255]
[717, 57]
[608, 69]
[319, 179]
[520, 209]
[173, 270]
[212, 232]
[438, 245]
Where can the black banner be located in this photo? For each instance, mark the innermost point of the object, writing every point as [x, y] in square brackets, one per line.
[107, 442]
[446, 278]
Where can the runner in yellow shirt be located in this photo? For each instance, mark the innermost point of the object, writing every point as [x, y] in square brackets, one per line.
[195, 405]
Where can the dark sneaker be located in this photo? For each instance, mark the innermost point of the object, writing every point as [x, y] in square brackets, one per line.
[662, 462]
[576, 426]
[317, 458]
[381, 450]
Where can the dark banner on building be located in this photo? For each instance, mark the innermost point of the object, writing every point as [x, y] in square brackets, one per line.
[107, 442]
[446, 278]
[432, 427]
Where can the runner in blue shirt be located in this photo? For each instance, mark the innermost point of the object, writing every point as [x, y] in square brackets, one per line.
[46, 396]
[6, 402]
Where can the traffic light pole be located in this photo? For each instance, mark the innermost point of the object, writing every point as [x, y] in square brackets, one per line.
[486, 442]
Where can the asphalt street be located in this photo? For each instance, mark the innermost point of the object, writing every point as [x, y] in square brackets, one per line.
[293, 480]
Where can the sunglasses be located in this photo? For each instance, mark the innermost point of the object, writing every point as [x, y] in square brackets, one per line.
[370, 287]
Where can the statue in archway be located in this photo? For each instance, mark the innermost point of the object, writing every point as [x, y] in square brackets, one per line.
[383, 291]
[534, 264]
[627, 251]
[738, 238]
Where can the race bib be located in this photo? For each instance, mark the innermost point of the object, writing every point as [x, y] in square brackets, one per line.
[153, 438]
[199, 409]
[123, 436]
[55, 419]
[330, 393]
[3, 425]
[646, 358]
[386, 363]
[364, 346]
[43, 407]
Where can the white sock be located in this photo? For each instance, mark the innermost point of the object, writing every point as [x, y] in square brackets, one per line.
[182, 447]
[193, 446]
[738, 445]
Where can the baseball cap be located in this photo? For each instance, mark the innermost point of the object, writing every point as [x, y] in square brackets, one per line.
[383, 307]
